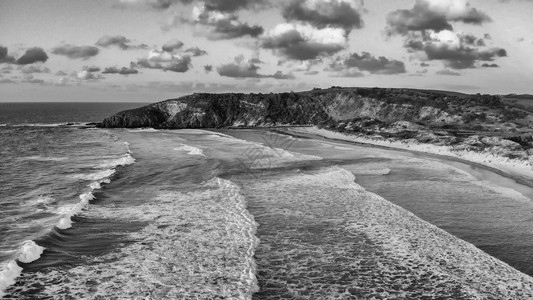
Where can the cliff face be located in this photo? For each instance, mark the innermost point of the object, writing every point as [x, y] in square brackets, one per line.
[427, 116]
[305, 108]
[218, 110]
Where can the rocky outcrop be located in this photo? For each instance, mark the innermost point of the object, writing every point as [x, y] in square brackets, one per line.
[475, 122]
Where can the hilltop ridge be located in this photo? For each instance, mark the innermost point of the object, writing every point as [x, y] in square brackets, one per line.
[502, 124]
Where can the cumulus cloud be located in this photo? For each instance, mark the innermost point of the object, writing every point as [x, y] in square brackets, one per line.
[121, 71]
[172, 45]
[166, 61]
[435, 15]
[32, 55]
[75, 52]
[242, 68]
[91, 68]
[324, 13]
[222, 23]
[118, 41]
[303, 42]
[34, 69]
[195, 51]
[354, 64]
[4, 57]
[86, 75]
[456, 50]
[60, 73]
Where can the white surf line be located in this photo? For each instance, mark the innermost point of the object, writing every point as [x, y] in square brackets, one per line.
[506, 165]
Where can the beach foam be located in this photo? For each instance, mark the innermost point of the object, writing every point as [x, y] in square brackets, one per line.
[329, 237]
[198, 244]
[190, 150]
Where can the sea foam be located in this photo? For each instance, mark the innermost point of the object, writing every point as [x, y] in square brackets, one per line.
[29, 252]
[190, 150]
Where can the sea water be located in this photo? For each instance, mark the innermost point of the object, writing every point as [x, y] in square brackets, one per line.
[181, 214]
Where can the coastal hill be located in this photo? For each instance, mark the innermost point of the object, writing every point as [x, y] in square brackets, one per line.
[501, 124]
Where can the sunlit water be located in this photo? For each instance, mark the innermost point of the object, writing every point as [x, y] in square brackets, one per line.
[216, 215]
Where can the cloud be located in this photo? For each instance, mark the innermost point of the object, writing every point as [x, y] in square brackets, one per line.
[86, 75]
[75, 52]
[448, 73]
[4, 57]
[28, 78]
[172, 45]
[32, 55]
[325, 13]
[208, 68]
[223, 24]
[195, 51]
[247, 69]
[371, 64]
[455, 50]
[233, 5]
[303, 42]
[34, 69]
[91, 68]
[156, 4]
[6, 69]
[435, 15]
[60, 73]
[165, 61]
[485, 65]
[119, 41]
[281, 75]
[354, 65]
[121, 71]
[6, 80]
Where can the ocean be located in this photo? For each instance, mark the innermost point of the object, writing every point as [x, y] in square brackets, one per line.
[91, 213]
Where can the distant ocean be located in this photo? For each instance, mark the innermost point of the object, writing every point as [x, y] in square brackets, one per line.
[89, 213]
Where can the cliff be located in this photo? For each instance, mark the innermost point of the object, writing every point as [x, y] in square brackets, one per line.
[438, 117]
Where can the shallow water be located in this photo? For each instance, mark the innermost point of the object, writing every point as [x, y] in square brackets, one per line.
[174, 224]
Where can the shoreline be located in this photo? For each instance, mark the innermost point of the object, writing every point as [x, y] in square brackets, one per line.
[523, 176]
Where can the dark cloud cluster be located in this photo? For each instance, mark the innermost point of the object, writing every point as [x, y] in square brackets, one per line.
[4, 57]
[225, 25]
[435, 15]
[31, 56]
[118, 41]
[242, 68]
[301, 42]
[121, 71]
[216, 5]
[172, 45]
[195, 51]
[322, 14]
[355, 64]
[91, 68]
[208, 68]
[428, 29]
[456, 51]
[75, 52]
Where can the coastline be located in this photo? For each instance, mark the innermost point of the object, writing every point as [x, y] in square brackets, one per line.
[520, 171]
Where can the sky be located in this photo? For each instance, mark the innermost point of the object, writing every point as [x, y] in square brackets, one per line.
[152, 50]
